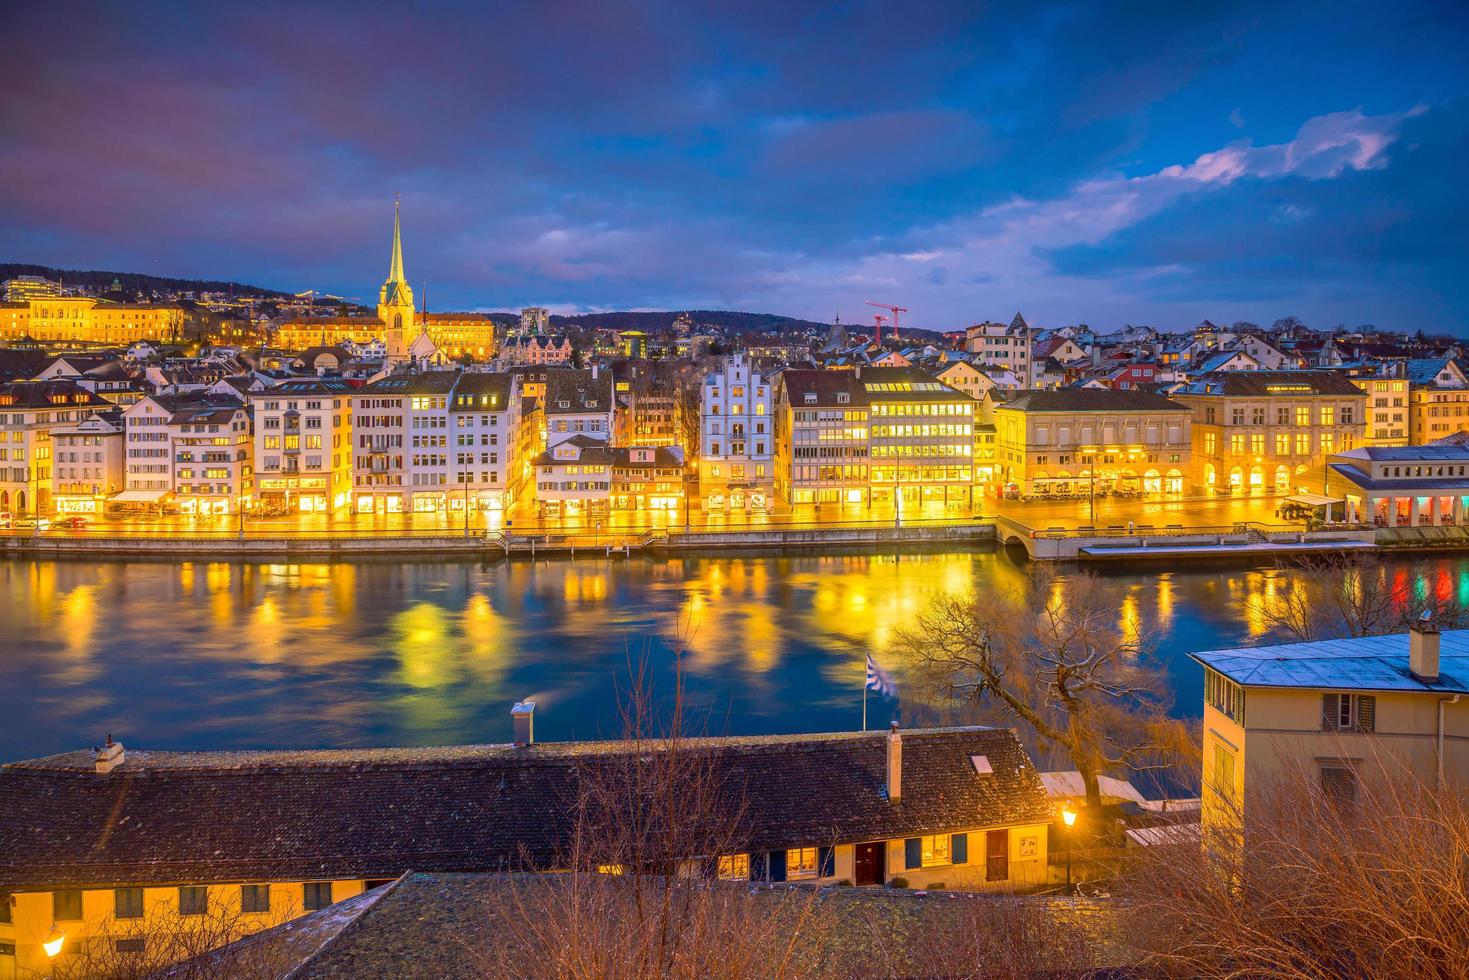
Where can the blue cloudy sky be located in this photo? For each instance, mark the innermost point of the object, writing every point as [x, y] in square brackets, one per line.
[1080, 161]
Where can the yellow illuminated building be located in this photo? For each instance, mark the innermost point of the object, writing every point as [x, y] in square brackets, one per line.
[1261, 431]
[1386, 407]
[921, 437]
[1074, 441]
[87, 320]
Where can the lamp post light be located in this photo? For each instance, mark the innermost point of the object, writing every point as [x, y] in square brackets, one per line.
[1068, 817]
[53, 942]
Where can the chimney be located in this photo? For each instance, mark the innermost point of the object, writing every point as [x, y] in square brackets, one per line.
[1423, 649]
[109, 757]
[523, 716]
[594, 372]
[895, 764]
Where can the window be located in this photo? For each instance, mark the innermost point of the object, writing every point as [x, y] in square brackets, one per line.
[128, 903]
[254, 898]
[935, 850]
[801, 861]
[318, 895]
[736, 867]
[1339, 783]
[1348, 713]
[66, 905]
[1223, 771]
[1225, 696]
[193, 900]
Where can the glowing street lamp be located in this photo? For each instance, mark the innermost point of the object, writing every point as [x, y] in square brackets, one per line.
[53, 942]
[1068, 817]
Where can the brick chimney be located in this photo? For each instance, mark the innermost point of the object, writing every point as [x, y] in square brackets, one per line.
[895, 764]
[1423, 649]
[109, 757]
[523, 716]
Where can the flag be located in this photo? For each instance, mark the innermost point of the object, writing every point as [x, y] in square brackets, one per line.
[880, 680]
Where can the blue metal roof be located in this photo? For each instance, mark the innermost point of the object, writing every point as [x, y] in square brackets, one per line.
[1437, 486]
[1369, 663]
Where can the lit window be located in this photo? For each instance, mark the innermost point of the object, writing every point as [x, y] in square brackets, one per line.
[736, 867]
[935, 850]
[801, 861]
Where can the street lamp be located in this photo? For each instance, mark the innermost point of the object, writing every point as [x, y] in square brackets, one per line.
[1068, 817]
[53, 942]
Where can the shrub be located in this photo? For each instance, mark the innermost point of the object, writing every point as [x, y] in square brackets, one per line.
[898, 883]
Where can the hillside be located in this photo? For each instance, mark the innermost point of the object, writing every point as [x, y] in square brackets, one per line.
[132, 282]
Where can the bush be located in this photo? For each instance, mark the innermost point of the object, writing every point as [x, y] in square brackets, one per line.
[898, 883]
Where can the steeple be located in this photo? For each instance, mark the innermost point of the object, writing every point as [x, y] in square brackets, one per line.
[395, 267]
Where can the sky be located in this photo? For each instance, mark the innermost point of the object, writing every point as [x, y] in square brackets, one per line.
[1080, 162]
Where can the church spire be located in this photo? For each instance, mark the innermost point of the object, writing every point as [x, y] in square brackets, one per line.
[395, 268]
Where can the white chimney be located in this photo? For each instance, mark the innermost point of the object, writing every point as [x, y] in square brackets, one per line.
[895, 764]
[1423, 649]
[109, 757]
[523, 716]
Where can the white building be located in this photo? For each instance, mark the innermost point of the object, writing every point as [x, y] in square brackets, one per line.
[213, 458]
[736, 439]
[574, 478]
[303, 445]
[1008, 347]
[29, 412]
[89, 463]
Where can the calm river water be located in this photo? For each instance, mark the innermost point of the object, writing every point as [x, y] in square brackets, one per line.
[202, 655]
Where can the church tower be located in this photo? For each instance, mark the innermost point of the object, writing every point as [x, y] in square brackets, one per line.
[395, 302]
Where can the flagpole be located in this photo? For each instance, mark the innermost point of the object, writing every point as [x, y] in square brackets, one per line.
[864, 705]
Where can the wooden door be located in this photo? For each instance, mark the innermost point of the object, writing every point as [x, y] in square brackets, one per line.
[871, 863]
[997, 855]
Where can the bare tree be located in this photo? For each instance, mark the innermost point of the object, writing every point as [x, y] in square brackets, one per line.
[1343, 595]
[643, 895]
[1055, 657]
[1318, 887]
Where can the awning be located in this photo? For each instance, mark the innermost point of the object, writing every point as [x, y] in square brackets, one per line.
[139, 496]
[1313, 500]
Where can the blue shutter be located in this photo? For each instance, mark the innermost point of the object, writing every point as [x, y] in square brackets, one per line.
[826, 862]
[777, 865]
[959, 849]
[913, 853]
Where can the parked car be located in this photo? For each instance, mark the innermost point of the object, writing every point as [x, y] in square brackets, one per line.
[72, 522]
[39, 523]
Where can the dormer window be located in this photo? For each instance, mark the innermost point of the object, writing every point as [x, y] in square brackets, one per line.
[810, 398]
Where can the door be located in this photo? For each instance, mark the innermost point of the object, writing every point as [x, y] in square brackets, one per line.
[997, 855]
[871, 863]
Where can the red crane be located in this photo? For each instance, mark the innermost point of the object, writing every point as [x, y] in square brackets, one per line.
[894, 310]
[879, 320]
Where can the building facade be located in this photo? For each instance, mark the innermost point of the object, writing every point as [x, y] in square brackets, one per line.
[89, 463]
[920, 439]
[578, 403]
[30, 411]
[1386, 406]
[821, 438]
[303, 445]
[1402, 486]
[88, 320]
[1262, 431]
[1438, 394]
[1007, 346]
[736, 438]
[1079, 441]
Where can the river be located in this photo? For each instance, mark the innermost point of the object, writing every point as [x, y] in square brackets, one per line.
[200, 655]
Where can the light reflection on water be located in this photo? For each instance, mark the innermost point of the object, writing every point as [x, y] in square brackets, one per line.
[215, 655]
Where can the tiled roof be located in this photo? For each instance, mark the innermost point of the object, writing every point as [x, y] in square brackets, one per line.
[1091, 400]
[1369, 663]
[182, 817]
[498, 386]
[40, 394]
[1271, 384]
[579, 390]
[824, 384]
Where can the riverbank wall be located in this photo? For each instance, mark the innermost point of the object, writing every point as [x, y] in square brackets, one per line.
[1247, 542]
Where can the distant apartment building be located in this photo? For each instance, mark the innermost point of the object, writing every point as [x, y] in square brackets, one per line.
[303, 445]
[23, 289]
[647, 479]
[1343, 712]
[88, 320]
[535, 349]
[647, 412]
[1438, 399]
[821, 438]
[736, 438]
[213, 454]
[920, 438]
[486, 422]
[400, 452]
[1263, 431]
[574, 478]
[534, 320]
[30, 411]
[1386, 406]
[89, 463]
[1007, 346]
[1085, 440]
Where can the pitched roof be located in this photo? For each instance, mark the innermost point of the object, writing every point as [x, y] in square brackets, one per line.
[200, 817]
[1368, 663]
[1272, 383]
[824, 384]
[44, 395]
[579, 390]
[1091, 400]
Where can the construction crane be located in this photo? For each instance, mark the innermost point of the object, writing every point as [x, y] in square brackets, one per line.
[894, 310]
[878, 319]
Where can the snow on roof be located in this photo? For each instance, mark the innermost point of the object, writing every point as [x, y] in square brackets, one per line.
[1368, 663]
